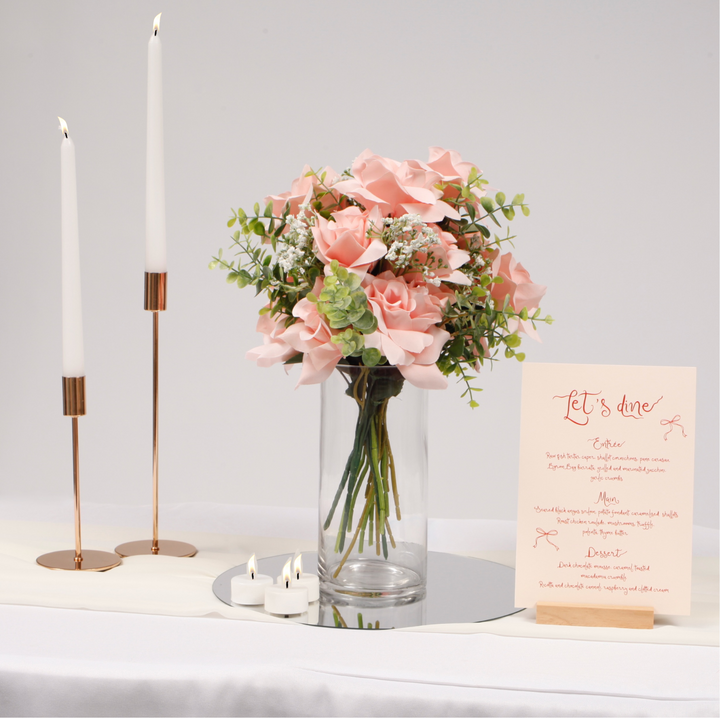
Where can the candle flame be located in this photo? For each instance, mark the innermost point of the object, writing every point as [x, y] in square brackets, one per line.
[297, 566]
[252, 567]
[156, 24]
[63, 126]
[287, 574]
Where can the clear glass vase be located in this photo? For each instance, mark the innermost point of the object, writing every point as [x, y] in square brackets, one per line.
[373, 488]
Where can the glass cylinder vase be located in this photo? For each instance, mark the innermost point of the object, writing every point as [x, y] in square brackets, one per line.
[373, 487]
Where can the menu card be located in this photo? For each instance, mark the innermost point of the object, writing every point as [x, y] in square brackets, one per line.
[606, 486]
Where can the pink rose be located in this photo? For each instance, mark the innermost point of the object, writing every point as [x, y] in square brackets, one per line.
[438, 295]
[516, 284]
[407, 332]
[301, 191]
[274, 348]
[396, 188]
[345, 239]
[449, 257]
[451, 168]
[312, 336]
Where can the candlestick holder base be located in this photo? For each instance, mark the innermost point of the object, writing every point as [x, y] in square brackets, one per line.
[73, 389]
[147, 547]
[89, 560]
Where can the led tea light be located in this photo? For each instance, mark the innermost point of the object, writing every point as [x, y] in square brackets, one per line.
[249, 590]
[284, 599]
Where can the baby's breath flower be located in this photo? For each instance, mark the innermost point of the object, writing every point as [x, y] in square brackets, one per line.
[296, 241]
[405, 236]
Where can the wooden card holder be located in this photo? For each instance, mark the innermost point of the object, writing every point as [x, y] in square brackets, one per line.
[587, 614]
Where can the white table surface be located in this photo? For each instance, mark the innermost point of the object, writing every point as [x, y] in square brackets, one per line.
[125, 657]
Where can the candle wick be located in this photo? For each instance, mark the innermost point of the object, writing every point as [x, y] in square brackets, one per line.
[287, 584]
[252, 575]
[156, 32]
[66, 135]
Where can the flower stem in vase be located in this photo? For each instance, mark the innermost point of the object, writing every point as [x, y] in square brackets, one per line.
[370, 464]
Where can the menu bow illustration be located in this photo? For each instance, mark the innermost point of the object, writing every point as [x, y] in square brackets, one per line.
[606, 486]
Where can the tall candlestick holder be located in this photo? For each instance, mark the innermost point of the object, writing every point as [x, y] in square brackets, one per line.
[77, 560]
[156, 302]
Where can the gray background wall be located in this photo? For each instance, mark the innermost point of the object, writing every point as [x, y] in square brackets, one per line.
[604, 113]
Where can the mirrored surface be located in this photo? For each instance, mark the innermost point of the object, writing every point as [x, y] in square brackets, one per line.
[459, 590]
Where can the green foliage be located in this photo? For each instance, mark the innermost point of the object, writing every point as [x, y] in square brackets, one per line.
[344, 302]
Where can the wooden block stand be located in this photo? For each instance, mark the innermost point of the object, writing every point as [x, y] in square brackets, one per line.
[587, 614]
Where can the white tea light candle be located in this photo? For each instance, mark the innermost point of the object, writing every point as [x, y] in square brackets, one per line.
[249, 590]
[155, 246]
[73, 354]
[306, 580]
[284, 599]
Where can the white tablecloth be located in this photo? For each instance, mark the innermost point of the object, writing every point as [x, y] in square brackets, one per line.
[57, 661]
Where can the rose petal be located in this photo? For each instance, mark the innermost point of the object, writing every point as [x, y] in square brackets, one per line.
[424, 376]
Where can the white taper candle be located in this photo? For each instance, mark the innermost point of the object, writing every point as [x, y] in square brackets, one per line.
[155, 245]
[73, 354]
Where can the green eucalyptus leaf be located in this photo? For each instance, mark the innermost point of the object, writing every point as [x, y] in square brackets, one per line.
[371, 356]
[367, 323]
[500, 198]
[231, 221]
[487, 204]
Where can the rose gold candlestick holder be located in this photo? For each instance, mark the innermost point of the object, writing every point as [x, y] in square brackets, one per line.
[77, 560]
[155, 302]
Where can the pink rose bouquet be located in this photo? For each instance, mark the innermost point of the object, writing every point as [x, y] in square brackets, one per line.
[389, 263]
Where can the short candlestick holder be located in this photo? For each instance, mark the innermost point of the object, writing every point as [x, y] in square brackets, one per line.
[77, 560]
[156, 302]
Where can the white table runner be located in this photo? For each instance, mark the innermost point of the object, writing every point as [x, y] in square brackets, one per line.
[183, 587]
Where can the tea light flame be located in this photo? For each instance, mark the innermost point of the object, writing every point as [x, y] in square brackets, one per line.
[252, 567]
[297, 566]
[156, 24]
[287, 574]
